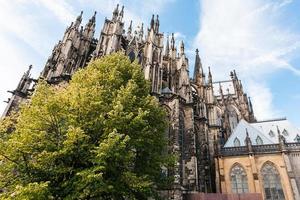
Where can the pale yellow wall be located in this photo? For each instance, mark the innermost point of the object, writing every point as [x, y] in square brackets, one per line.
[253, 164]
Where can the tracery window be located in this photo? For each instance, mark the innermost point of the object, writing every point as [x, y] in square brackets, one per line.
[236, 142]
[239, 182]
[272, 184]
[259, 141]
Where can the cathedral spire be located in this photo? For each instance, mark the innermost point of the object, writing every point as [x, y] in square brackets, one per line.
[79, 20]
[115, 12]
[250, 105]
[121, 14]
[156, 29]
[167, 50]
[172, 42]
[181, 48]
[93, 19]
[89, 29]
[25, 81]
[209, 76]
[198, 70]
[141, 33]
[152, 22]
[129, 30]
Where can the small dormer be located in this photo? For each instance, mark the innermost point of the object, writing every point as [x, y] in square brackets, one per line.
[259, 141]
[237, 142]
[285, 132]
[297, 138]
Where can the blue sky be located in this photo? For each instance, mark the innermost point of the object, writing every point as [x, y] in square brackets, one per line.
[260, 39]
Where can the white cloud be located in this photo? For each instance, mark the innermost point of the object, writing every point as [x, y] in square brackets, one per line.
[61, 9]
[262, 98]
[246, 35]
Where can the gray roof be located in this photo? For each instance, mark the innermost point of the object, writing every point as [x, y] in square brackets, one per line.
[267, 131]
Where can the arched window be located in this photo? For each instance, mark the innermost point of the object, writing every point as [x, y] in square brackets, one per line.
[272, 184]
[236, 142]
[239, 182]
[259, 141]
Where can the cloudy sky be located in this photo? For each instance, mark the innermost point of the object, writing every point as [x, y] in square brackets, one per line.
[260, 39]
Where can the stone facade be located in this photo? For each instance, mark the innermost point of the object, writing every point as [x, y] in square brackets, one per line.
[200, 112]
[279, 150]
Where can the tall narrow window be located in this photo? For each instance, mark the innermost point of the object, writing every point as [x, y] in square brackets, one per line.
[272, 184]
[259, 141]
[236, 142]
[239, 182]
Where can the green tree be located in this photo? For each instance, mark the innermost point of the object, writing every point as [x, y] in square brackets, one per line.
[99, 137]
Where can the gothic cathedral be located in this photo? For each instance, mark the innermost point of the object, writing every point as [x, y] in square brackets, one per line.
[203, 113]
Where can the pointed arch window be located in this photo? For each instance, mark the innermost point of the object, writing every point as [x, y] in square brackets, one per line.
[239, 182]
[259, 141]
[297, 138]
[271, 182]
[271, 133]
[237, 142]
[285, 132]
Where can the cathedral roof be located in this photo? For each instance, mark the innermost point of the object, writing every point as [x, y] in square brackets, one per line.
[286, 129]
[264, 132]
[240, 134]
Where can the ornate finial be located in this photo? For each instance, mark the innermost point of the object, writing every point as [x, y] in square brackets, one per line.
[248, 142]
[141, 32]
[220, 89]
[172, 42]
[197, 51]
[209, 76]
[116, 12]
[121, 12]
[129, 28]
[250, 105]
[93, 19]
[152, 22]
[27, 74]
[167, 46]
[181, 47]
[79, 18]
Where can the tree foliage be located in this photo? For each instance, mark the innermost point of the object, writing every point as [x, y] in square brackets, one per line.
[99, 137]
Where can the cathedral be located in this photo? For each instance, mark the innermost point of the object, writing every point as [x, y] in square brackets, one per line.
[222, 148]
